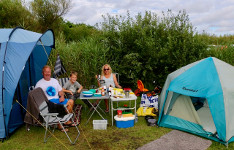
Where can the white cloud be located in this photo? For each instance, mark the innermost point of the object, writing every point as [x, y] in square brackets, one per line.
[213, 16]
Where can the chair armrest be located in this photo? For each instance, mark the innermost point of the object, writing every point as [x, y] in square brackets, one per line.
[50, 114]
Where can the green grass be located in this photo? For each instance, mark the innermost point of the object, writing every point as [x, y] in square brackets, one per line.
[113, 138]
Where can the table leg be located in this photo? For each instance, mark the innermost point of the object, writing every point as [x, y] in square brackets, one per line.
[112, 112]
[95, 109]
[135, 109]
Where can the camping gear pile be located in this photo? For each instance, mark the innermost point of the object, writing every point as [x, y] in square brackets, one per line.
[198, 98]
[149, 103]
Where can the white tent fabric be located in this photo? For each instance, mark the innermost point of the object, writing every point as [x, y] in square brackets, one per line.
[206, 119]
[226, 73]
[183, 108]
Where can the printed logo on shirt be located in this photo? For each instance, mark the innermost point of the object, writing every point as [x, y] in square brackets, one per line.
[51, 91]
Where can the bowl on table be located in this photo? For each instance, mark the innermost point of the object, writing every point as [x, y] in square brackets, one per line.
[97, 94]
[87, 93]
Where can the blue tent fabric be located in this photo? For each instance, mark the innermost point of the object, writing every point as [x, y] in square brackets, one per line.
[22, 56]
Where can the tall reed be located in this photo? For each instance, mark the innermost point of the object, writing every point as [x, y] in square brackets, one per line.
[85, 57]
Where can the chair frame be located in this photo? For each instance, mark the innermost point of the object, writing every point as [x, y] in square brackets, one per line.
[54, 121]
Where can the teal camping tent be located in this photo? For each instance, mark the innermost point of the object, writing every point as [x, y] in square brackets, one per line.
[199, 98]
[22, 55]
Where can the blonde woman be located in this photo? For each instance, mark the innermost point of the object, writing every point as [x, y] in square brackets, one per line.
[110, 80]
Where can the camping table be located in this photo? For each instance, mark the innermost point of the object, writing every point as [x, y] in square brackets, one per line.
[95, 108]
[132, 97]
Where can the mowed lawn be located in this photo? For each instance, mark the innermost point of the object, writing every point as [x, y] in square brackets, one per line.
[112, 138]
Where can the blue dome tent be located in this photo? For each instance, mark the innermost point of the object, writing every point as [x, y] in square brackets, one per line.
[23, 53]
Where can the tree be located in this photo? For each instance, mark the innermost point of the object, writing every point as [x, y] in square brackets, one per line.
[49, 12]
[13, 13]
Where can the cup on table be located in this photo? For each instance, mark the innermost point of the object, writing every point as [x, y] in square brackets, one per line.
[126, 94]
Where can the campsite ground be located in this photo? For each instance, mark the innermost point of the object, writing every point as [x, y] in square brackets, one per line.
[112, 138]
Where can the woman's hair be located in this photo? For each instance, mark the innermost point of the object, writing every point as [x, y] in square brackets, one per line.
[103, 73]
[73, 73]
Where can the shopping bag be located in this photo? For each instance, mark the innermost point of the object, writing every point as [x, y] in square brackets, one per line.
[149, 101]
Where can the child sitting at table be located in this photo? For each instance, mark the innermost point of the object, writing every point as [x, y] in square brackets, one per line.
[72, 88]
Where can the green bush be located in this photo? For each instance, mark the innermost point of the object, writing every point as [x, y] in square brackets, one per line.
[160, 45]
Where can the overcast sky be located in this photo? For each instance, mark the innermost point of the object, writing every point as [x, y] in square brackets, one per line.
[213, 16]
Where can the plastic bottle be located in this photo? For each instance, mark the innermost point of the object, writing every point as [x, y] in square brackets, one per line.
[136, 118]
[103, 92]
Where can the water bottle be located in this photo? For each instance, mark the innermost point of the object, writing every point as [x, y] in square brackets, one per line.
[136, 118]
[103, 92]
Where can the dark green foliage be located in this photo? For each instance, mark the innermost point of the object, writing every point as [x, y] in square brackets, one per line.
[77, 32]
[225, 53]
[13, 13]
[158, 45]
[49, 13]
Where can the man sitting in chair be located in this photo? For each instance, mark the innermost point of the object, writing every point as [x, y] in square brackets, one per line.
[53, 91]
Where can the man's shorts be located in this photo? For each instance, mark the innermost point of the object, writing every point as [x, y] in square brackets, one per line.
[56, 101]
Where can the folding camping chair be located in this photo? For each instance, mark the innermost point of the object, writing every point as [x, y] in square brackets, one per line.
[141, 88]
[52, 119]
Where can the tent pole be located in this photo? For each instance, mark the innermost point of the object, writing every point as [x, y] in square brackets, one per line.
[46, 53]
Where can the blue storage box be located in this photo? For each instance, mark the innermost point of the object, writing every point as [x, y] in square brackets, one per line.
[124, 122]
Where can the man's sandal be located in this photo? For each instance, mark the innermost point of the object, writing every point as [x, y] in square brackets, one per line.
[70, 125]
[63, 130]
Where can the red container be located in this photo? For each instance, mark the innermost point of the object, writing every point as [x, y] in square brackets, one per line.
[119, 113]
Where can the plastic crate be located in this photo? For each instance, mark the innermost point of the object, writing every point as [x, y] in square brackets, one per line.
[125, 122]
[99, 124]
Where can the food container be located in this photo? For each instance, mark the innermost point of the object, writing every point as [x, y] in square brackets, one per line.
[92, 90]
[97, 95]
[119, 113]
[99, 124]
[87, 93]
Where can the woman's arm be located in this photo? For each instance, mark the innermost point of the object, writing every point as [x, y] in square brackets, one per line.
[98, 81]
[116, 82]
